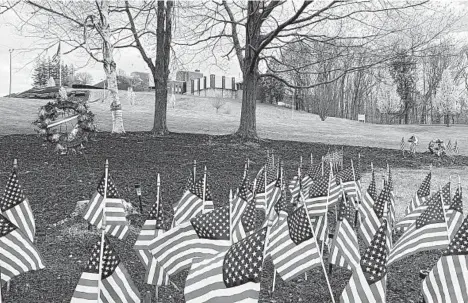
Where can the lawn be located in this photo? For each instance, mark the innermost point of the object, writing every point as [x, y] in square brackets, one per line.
[197, 115]
[55, 183]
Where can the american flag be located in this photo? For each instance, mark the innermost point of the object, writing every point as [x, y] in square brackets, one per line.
[203, 236]
[191, 203]
[344, 248]
[152, 228]
[116, 284]
[292, 247]
[242, 212]
[449, 146]
[317, 205]
[18, 253]
[422, 194]
[409, 219]
[448, 279]
[368, 282]
[402, 144]
[281, 208]
[15, 207]
[274, 195]
[232, 276]
[455, 147]
[368, 226]
[347, 177]
[294, 187]
[429, 232]
[116, 221]
[315, 171]
[267, 190]
[454, 213]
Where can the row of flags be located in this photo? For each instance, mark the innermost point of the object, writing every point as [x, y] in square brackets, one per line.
[448, 148]
[18, 252]
[224, 248]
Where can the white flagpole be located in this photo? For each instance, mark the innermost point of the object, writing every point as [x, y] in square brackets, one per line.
[194, 171]
[158, 186]
[326, 209]
[103, 226]
[320, 255]
[230, 216]
[204, 190]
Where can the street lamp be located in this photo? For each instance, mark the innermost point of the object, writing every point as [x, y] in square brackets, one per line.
[11, 51]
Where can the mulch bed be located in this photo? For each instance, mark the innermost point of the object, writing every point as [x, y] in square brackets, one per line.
[55, 183]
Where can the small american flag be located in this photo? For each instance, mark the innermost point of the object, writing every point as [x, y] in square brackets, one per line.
[202, 237]
[402, 145]
[292, 246]
[422, 194]
[116, 222]
[391, 203]
[116, 284]
[455, 148]
[368, 282]
[19, 255]
[449, 146]
[315, 171]
[367, 229]
[191, 203]
[344, 248]
[455, 213]
[410, 218]
[242, 212]
[152, 228]
[448, 279]
[15, 207]
[429, 232]
[232, 276]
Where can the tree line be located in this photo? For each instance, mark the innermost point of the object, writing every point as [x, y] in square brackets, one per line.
[335, 57]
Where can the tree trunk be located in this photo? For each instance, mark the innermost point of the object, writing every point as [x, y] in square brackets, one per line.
[161, 72]
[248, 125]
[110, 68]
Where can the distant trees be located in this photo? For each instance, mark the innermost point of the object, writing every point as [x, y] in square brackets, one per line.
[83, 78]
[450, 97]
[44, 69]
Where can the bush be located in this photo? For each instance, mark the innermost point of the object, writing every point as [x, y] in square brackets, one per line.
[218, 103]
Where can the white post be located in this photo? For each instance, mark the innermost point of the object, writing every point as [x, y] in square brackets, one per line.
[103, 226]
[320, 255]
[230, 216]
[204, 190]
[194, 171]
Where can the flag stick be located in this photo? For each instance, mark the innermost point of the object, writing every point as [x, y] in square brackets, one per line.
[246, 167]
[103, 226]
[156, 293]
[265, 184]
[194, 170]
[443, 210]
[204, 190]
[8, 284]
[300, 161]
[158, 186]
[230, 216]
[274, 281]
[356, 215]
[320, 255]
[311, 159]
[322, 166]
[326, 209]
[281, 173]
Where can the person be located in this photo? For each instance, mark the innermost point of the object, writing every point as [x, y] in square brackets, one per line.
[172, 100]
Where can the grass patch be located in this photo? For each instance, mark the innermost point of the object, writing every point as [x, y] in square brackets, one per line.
[55, 183]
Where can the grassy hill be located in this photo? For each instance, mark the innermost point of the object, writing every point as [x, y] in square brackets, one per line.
[197, 115]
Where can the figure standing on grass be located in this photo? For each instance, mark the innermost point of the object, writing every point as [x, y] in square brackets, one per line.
[172, 100]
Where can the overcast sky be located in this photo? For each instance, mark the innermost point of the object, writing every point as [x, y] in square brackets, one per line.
[128, 59]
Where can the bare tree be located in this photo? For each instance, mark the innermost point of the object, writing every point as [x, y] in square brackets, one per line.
[257, 33]
[84, 26]
[142, 15]
[83, 78]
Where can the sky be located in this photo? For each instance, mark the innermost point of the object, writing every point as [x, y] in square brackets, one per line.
[128, 60]
[24, 55]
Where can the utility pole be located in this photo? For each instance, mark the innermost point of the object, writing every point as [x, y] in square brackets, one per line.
[11, 51]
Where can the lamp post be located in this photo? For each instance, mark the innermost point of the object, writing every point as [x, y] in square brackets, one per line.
[9, 91]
